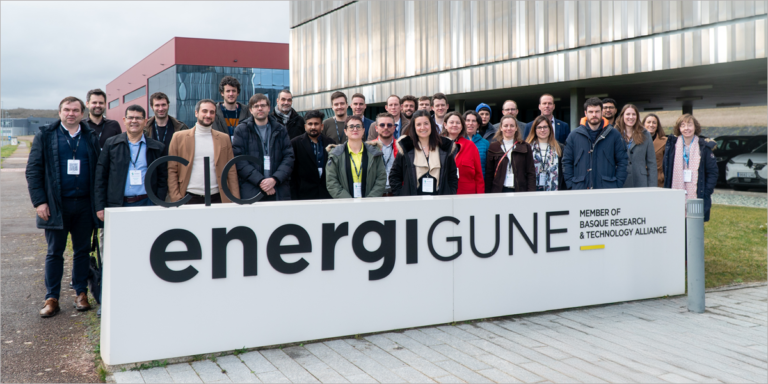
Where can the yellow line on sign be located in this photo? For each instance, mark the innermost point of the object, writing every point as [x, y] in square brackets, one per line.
[591, 247]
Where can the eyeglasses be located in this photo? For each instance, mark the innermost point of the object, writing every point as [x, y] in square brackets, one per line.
[542, 128]
[132, 118]
[388, 125]
[260, 106]
[355, 127]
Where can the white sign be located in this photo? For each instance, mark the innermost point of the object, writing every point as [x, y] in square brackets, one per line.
[195, 279]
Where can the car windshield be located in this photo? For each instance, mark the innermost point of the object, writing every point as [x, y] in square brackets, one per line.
[760, 149]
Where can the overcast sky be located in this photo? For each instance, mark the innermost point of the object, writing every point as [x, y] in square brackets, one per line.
[50, 50]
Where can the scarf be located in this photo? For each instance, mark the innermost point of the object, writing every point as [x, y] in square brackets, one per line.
[283, 116]
[679, 166]
[545, 162]
[420, 163]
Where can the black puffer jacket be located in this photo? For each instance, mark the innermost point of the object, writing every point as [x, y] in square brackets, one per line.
[112, 171]
[295, 125]
[44, 177]
[245, 141]
[402, 176]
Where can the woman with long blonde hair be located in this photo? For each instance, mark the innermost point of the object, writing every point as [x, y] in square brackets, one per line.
[641, 168]
[547, 156]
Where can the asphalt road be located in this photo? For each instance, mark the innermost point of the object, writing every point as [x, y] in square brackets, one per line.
[34, 349]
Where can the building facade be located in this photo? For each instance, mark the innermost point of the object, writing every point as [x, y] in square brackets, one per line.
[14, 127]
[661, 55]
[189, 70]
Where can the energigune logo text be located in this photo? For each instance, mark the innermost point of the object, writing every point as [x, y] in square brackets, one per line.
[331, 233]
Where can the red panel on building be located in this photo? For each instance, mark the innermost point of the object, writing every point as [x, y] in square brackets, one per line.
[192, 51]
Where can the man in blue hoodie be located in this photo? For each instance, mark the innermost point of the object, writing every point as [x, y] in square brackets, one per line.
[595, 155]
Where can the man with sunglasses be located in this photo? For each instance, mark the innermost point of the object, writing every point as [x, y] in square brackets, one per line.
[385, 127]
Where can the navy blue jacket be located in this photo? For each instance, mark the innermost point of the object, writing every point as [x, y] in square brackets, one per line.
[44, 176]
[707, 173]
[607, 158]
[562, 131]
[245, 141]
[367, 125]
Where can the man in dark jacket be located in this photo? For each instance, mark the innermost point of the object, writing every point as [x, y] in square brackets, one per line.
[595, 156]
[308, 177]
[162, 126]
[547, 108]
[285, 114]
[61, 171]
[122, 168]
[104, 128]
[265, 138]
[230, 112]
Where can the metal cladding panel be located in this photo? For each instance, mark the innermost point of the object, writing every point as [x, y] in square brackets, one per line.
[425, 46]
[223, 53]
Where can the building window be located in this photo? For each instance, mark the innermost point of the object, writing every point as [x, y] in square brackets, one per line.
[135, 94]
[114, 103]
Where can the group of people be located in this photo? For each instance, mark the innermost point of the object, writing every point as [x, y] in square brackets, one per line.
[78, 167]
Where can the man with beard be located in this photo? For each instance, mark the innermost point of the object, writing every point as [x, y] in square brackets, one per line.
[408, 104]
[394, 107]
[610, 110]
[195, 145]
[595, 155]
[334, 126]
[285, 114]
[96, 101]
[308, 176]
[358, 108]
[265, 138]
[162, 126]
[230, 112]
[425, 103]
[385, 126]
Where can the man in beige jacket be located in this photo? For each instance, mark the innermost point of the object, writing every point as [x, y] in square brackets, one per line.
[194, 145]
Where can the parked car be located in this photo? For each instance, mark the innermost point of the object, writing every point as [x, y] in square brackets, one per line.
[748, 171]
[730, 146]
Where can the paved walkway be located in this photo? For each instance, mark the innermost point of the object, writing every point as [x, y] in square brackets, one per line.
[647, 341]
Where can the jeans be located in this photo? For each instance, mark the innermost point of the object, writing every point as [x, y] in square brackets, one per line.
[78, 221]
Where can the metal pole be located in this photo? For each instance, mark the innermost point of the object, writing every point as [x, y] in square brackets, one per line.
[695, 238]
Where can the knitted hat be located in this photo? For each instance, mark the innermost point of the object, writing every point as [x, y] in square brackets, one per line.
[484, 106]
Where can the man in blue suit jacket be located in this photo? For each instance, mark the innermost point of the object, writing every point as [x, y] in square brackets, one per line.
[358, 107]
[547, 106]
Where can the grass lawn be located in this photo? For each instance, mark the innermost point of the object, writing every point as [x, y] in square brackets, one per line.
[7, 150]
[735, 248]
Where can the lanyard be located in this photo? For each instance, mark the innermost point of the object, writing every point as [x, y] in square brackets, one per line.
[317, 149]
[425, 153]
[137, 155]
[74, 151]
[358, 171]
[509, 166]
[264, 144]
[391, 155]
[686, 150]
[157, 131]
[336, 125]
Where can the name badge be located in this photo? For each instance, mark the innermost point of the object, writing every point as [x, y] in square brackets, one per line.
[73, 167]
[266, 163]
[358, 190]
[320, 172]
[509, 180]
[687, 175]
[428, 185]
[542, 179]
[135, 177]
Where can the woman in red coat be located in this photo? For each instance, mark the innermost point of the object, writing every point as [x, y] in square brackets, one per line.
[467, 158]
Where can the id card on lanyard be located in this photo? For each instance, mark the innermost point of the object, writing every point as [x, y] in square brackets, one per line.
[135, 174]
[357, 188]
[509, 178]
[428, 182]
[73, 164]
